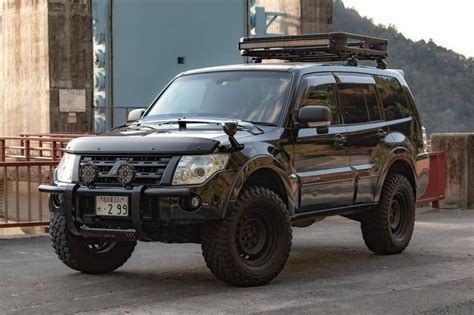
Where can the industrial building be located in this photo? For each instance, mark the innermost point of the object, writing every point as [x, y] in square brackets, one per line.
[79, 66]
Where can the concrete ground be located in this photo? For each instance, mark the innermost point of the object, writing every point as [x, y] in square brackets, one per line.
[329, 271]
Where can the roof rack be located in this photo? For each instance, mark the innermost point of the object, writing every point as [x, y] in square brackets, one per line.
[322, 47]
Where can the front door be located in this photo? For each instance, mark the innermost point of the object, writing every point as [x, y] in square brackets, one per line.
[322, 160]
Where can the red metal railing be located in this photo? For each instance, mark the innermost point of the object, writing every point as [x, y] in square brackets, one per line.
[437, 181]
[21, 202]
[35, 147]
[26, 162]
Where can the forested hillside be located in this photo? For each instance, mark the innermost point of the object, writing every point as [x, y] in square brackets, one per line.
[441, 80]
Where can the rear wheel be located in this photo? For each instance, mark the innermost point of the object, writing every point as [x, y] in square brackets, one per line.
[252, 245]
[388, 228]
[88, 255]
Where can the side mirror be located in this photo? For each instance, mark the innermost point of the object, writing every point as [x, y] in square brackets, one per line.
[135, 115]
[315, 116]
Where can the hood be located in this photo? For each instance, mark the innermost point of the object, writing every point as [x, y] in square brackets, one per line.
[148, 141]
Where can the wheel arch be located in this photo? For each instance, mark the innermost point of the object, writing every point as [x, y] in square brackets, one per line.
[267, 172]
[403, 166]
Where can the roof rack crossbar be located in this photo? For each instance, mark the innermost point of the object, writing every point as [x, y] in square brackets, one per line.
[323, 47]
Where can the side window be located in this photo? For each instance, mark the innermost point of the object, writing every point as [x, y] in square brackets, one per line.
[352, 98]
[371, 101]
[393, 98]
[314, 94]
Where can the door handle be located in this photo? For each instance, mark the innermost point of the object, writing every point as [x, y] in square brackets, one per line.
[381, 133]
[340, 140]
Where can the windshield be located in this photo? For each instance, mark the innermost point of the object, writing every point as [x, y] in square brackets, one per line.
[255, 96]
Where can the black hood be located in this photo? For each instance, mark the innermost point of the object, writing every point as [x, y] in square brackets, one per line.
[150, 141]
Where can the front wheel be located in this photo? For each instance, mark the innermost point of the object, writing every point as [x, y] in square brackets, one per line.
[88, 255]
[252, 245]
[388, 228]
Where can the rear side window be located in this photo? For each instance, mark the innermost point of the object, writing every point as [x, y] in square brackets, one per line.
[371, 100]
[393, 98]
[359, 103]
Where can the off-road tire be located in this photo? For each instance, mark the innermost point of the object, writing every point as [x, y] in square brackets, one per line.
[77, 252]
[233, 253]
[380, 230]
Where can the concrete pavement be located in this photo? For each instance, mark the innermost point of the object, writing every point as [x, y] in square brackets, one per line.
[329, 271]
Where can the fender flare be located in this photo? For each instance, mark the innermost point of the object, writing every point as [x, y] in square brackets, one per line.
[250, 167]
[398, 154]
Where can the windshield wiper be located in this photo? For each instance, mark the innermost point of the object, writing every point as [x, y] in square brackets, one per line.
[134, 126]
[261, 123]
[182, 123]
[144, 126]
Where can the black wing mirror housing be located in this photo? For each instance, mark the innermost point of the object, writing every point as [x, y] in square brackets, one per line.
[135, 114]
[314, 116]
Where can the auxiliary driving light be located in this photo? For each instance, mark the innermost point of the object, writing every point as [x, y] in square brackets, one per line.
[88, 173]
[126, 174]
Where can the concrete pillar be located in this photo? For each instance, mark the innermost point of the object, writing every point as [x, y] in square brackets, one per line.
[459, 150]
[302, 16]
[45, 45]
[71, 64]
[24, 67]
[316, 16]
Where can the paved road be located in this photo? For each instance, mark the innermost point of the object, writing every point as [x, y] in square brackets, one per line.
[329, 271]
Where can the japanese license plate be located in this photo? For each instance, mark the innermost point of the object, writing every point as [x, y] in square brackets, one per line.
[111, 206]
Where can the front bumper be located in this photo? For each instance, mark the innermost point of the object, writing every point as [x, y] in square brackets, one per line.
[162, 204]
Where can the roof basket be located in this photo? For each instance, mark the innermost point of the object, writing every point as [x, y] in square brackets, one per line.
[323, 47]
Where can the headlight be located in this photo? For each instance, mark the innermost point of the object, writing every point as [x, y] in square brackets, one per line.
[195, 169]
[63, 172]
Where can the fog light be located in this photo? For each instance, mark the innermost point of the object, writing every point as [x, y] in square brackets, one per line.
[88, 173]
[126, 174]
[195, 202]
[190, 203]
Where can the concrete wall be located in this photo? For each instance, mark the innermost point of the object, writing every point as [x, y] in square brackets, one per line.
[459, 150]
[45, 45]
[71, 65]
[316, 16]
[302, 16]
[291, 23]
[24, 63]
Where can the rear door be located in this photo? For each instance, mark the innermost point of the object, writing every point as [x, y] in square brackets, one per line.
[363, 119]
[322, 160]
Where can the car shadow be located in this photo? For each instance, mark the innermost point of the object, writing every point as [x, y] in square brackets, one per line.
[306, 263]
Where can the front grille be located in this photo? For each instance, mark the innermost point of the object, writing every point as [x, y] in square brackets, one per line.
[149, 169]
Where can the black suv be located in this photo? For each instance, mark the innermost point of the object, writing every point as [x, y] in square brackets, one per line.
[232, 157]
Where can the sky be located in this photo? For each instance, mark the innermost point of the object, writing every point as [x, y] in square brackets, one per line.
[450, 25]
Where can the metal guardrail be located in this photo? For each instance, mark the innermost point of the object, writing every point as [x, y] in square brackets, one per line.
[22, 205]
[35, 147]
[26, 162]
[437, 180]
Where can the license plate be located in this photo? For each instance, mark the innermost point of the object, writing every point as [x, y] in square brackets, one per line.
[111, 206]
